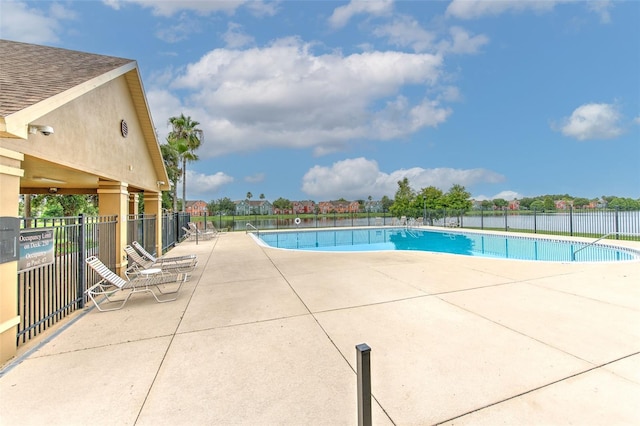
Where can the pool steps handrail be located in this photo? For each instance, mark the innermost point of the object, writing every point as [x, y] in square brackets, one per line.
[573, 255]
[248, 225]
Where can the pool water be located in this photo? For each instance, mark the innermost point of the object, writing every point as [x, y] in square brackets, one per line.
[468, 244]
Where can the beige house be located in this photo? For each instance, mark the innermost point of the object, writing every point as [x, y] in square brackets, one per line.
[73, 123]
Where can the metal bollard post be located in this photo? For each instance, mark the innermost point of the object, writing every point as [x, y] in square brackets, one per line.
[363, 353]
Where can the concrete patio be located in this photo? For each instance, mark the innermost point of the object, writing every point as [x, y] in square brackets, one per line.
[262, 336]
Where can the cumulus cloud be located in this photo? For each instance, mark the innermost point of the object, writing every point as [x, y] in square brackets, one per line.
[168, 8]
[236, 37]
[44, 25]
[359, 178]
[504, 195]
[405, 31]
[341, 15]
[471, 9]
[462, 42]
[601, 8]
[256, 178]
[200, 184]
[285, 95]
[593, 121]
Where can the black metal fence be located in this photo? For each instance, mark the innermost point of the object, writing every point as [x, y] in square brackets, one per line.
[621, 224]
[49, 293]
[591, 223]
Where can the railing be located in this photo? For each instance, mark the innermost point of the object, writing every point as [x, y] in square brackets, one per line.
[142, 228]
[49, 293]
[573, 254]
[248, 225]
[570, 222]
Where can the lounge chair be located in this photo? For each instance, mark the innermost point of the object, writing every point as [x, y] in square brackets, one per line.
[452, 223]
[417, 222]
[205, 235]
[210, 227]
[183, 264]
[188, 234]
[111, 284]
[162, 259]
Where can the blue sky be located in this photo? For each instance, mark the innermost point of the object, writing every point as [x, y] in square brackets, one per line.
[324, 100]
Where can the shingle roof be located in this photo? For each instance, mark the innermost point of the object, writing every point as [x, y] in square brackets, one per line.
[57, 70]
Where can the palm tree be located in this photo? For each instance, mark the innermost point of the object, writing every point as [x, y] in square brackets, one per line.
[186, 138]
[172, 163]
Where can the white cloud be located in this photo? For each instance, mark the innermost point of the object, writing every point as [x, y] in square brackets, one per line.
[341, 15]
[593, 121]
[601, 8]
[504, 195]
[462, 42]
[199, 184]
[236, 37]
[168, 8]
[405, 31]
[20, 22]
[284, 95]
[256, 178]
[359, 177]
[180, 29]
[471, 9]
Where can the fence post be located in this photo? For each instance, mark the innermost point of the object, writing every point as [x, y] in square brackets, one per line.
[481, 217]
[535, 221]
[82, 264]
[506, 226]
[363, 354]
[617, 223]
[570, 220]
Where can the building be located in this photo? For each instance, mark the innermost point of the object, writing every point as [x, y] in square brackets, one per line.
[196, 208]
[304, 207]
[72, 123]
[248, 207]
[339, 206]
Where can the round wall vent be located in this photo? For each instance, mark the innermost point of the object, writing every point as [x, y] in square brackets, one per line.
[124, 129]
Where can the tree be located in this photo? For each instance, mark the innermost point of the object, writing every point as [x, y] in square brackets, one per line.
[500, 203]
[171, 159]
[549, 204]
[580, 203]
[429, 198]
[249, 195]
[283, 204]
[223, 205]
[458, 198]
[187, 138]
[486, 204]
[262, 197]
[386, 203]
[537, 205]
[403, 199]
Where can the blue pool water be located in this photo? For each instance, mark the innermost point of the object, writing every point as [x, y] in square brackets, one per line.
[468, 244]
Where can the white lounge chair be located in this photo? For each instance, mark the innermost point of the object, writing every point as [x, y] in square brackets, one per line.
[210, 227]
[162, 259]
[183, 264]
[111, 284]
[205, 235]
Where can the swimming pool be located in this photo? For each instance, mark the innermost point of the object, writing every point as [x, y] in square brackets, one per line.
[454, 242]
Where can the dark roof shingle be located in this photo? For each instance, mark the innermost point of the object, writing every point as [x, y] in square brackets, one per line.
[22, 84]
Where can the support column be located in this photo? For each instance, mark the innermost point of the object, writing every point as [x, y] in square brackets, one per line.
[134, 203]
[10, 174]
[153, 205]
[113, 199]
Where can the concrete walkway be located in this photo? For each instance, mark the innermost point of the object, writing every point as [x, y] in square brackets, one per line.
[261, 336]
